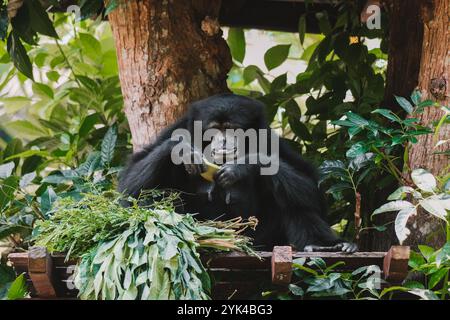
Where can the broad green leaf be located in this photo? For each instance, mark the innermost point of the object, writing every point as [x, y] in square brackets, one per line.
[110, 6]
[424, 180]
[88, 123]
[6, 170]
[424, 294]
[236, 42]
[47, 199]
[19, 55]
[300, 129]
[426, 251]
[443, 255]
[399, 194]
[26, 179]
[42, 90]
[249, 74]
[356, 150]
[296, 290]
[357, 119]
[276, 55]
[436, 277]
[401, 220]
[388, 114]
[108, 145]
[361, 161]
[18, 288]
[434, 207]
[405, 104]
[91, 46]
[394, 206]
[39, 20]
[416, 97]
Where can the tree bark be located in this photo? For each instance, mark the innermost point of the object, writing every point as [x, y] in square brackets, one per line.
[419, 44]
[433, 83]
[405, 48]
[170, 53]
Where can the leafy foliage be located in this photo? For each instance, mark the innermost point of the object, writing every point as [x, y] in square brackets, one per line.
[137, 252]
[433, 199]
[314, 279]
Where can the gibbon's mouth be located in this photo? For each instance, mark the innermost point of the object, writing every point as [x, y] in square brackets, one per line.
[228, 154]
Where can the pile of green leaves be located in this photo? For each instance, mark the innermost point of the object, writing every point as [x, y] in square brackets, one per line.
[137, 252]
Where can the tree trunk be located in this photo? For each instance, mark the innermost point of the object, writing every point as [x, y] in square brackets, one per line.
[170, 54]
[433, 82]
[405, 49]
[419, 42]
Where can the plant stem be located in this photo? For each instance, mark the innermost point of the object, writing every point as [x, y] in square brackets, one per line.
[68, 63]
[445, 288]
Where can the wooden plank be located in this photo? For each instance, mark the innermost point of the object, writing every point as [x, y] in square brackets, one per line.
[395, 266]
[281, 265]
[40, 271]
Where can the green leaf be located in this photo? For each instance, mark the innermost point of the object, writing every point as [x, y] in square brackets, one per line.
[91, 46]
[361, 161]
[426, 251]
[436, 277]
[52, 75]
[279, 83]
[357, 149]
[3, 22]
[43, 90]
[236, 42]
[18, 288]
[19, 55]
[112, 5]
[296, 290]
[276, 55]
[357, 119]
[6, 170]
[405, 104]
[424, 294]
[434, 207]
[401, 220]
[26, 179]
[47, 200]
[300, 129]
[388, 114]
[424, 180]
[394, 206]
[90, 8]
[88, 123]
[399, 194]
[339, 187]
[108, 145]
[416, 97]
[39, 20]
[302, 28]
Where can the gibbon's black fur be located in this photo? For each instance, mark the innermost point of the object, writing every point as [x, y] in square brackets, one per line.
[289, 206]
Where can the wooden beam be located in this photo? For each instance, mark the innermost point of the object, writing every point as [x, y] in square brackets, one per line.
[395, 266]
[40, 270]
[282, 265]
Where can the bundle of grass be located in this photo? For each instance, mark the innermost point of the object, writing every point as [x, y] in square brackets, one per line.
[137, 252]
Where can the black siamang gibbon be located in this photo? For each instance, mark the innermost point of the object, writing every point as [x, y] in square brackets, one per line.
[287, 201]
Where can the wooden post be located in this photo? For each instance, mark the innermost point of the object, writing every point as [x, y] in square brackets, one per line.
[40, 271]
[395, 266]
[281, 265]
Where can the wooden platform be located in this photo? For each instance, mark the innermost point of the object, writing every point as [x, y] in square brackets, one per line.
[235, 275]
